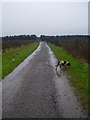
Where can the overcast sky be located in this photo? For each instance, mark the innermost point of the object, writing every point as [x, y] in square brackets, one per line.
[48, 18]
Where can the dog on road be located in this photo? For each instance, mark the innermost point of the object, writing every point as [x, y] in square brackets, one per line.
[62, 63]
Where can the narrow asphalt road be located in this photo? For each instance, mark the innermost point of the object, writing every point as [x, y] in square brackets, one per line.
[33, 90]
[30, 94]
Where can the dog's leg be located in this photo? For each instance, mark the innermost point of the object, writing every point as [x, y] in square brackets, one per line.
[56, 67]
[60, 66]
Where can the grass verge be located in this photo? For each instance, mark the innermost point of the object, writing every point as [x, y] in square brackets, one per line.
[78, 72]
[13, 58]
[0, 65]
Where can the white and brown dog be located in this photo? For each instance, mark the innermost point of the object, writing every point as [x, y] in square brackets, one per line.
[62, 63]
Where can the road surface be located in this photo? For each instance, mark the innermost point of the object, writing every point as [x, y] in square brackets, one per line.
[33, 90]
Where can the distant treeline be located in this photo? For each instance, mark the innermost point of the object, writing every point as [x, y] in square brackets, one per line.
[20, 37]
[67, 37]
[45, 38]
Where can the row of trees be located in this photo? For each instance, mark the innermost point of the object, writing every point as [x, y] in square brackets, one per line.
[20, 37]
[45, 38]
[68, 37]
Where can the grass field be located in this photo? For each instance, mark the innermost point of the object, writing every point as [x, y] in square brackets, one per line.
[19, 54]
[78, 72]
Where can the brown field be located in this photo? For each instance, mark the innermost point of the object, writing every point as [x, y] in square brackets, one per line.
[13, 44]
[78, 48]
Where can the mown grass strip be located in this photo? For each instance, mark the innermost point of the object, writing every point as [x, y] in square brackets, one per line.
[78, 72]
[11, 59]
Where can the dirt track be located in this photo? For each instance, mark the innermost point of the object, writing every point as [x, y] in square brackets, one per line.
[33, 90]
